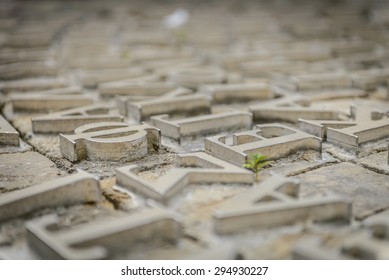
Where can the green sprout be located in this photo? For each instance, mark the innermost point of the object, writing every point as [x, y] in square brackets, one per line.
[126, 54]
[255, 163]
[181, 37]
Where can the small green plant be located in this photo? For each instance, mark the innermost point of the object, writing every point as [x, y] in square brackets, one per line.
[181, 37]
[255, 163]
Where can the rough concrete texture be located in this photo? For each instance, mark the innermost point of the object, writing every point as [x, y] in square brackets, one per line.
[20, 170]
[233, 79]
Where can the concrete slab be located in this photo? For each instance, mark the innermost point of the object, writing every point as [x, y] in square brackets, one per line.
[21, 170]
[369, 190]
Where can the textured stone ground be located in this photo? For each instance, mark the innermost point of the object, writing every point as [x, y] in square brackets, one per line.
[323, 55]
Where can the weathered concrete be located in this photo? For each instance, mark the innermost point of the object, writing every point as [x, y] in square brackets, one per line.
[369, 190]
[21, 170]
[234, 56]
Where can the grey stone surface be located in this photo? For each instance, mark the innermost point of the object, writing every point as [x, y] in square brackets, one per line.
[369, 190]
[270, 61]
[21, 170]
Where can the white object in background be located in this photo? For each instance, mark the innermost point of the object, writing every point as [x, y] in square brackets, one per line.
[176, 19]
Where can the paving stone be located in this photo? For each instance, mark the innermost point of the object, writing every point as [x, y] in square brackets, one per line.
[8, 134]
[275, 202]
[369, 242]
[211, 170]
[378, 162]
[94, 240]
[267, 62]
[78, 188]
[272, 140]
[298, 163]
[20, 170]
[68, 120]
[368, 189]
[110, 141]
[204, 124]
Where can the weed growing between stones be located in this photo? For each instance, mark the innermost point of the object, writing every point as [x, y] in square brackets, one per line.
[255, 163]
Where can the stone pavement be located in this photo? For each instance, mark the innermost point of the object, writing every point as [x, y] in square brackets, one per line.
[124, 126]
